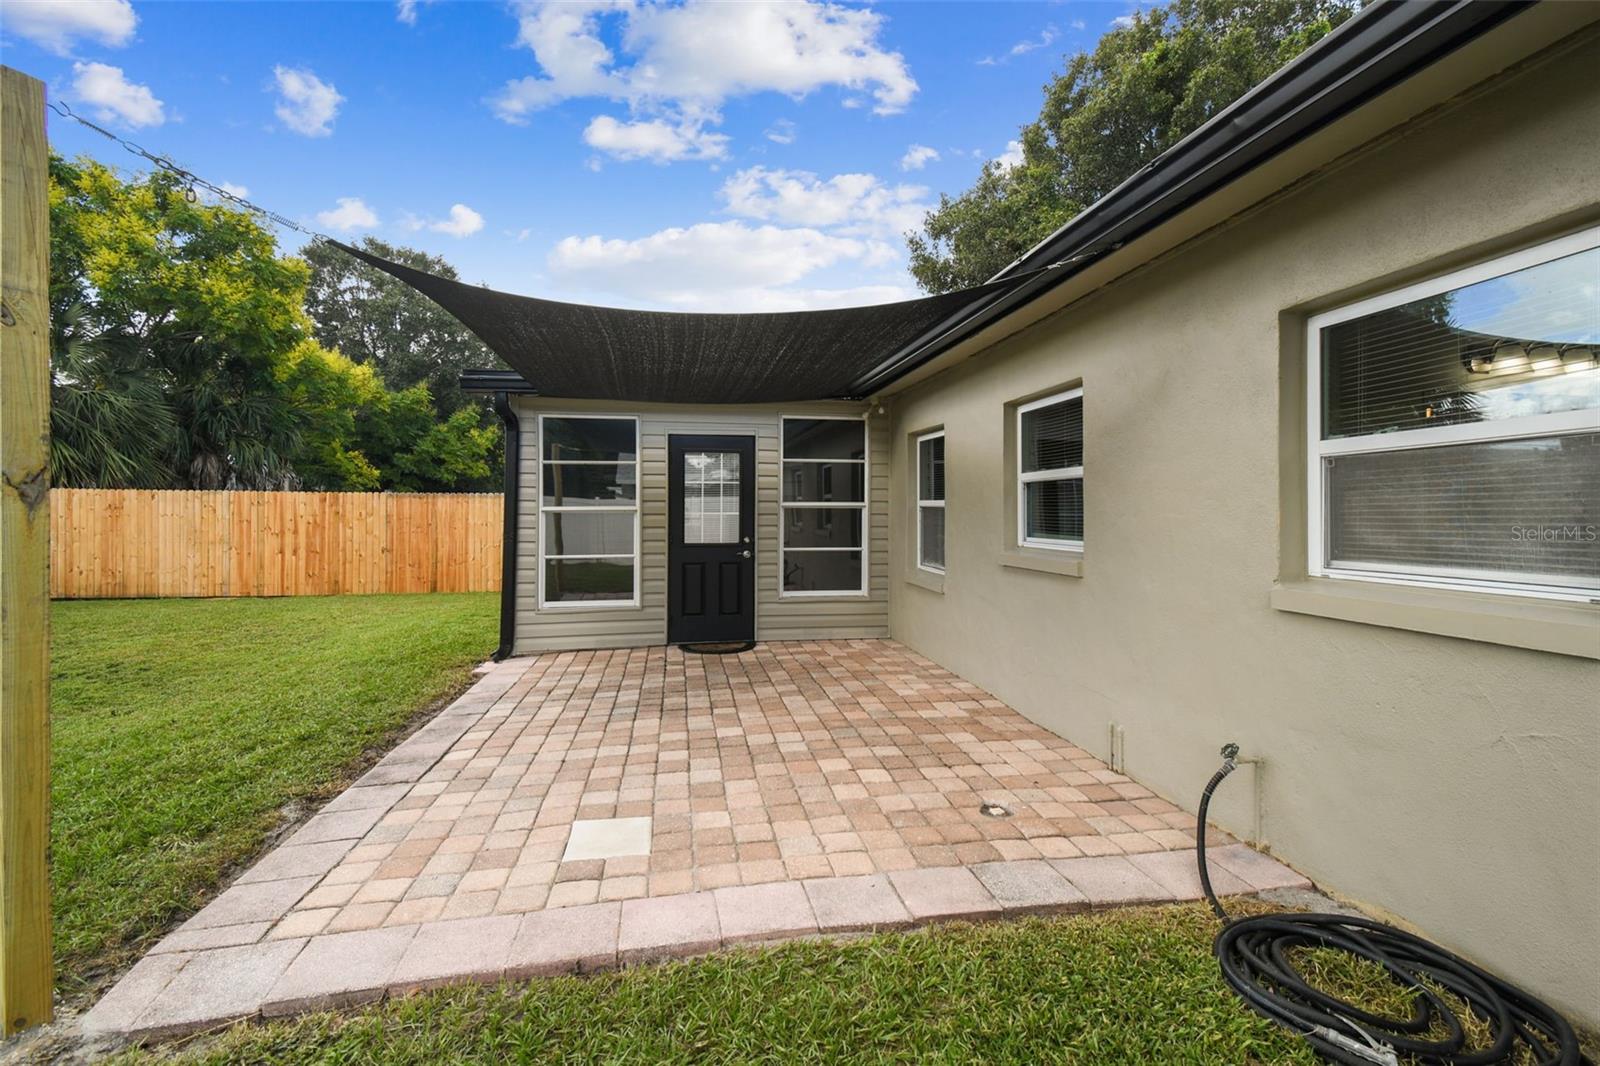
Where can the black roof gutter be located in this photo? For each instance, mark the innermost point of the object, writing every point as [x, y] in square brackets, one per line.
[508, 535]
[1372, 52]
[496, 381]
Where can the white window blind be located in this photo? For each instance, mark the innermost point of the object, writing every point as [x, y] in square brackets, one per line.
[1050, 472]
[711, 498]
[930, 502]
[1456, 436]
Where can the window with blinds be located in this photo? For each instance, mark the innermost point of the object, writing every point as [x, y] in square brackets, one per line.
[930, 501]
[823, 547]
[711, 498]
[588, 511]
[1050, 472]
[1457, 431]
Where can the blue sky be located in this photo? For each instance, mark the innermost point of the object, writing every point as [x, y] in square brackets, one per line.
[700, 156]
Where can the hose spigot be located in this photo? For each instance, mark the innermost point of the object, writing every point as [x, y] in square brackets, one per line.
[1230, 755]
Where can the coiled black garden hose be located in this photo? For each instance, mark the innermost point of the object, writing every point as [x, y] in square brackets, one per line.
[1254, 953]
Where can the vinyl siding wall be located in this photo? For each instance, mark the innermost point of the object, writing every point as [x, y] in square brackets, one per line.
[777, 618]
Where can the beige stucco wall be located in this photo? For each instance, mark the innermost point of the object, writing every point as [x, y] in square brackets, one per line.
[1453, 782]
[777, 617]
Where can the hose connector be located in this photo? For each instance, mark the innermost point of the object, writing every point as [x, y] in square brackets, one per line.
[1230, 756]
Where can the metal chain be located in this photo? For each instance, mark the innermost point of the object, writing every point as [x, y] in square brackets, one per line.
[189, 178]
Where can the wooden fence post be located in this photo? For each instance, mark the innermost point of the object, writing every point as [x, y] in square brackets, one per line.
[26, 973]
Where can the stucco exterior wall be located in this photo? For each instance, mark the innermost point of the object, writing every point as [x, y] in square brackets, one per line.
[1453, 782]
[777, 617]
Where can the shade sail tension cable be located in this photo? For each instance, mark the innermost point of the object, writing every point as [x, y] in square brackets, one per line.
[1256, 954]
[189, 178]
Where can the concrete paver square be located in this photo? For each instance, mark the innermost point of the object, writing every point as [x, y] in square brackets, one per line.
[607, 838]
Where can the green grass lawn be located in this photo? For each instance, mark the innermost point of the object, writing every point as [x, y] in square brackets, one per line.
[181, 728]
[1119, 987]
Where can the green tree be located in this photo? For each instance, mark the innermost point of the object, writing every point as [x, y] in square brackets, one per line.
[194, 299]
[1145, 86]
[455, 453]
[110, 423]
[331, 393]
[182, 356]
[379, 320]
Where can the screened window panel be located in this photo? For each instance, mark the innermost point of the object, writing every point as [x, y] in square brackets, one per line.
[821, 571]
[1521, 507]
[824, 438]
[930, 469]
[1052, 437]
[584, 580]
[828, 527]
[1054, 510]
[609, 440]
[1520, 344]
[824, 482]
[711, 498]
[932, 543]
[585, 485]
[590, 532]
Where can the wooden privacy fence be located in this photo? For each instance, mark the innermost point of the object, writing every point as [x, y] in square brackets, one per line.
[124, 543]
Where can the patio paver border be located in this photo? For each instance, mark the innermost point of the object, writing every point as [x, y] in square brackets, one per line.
[162, 996]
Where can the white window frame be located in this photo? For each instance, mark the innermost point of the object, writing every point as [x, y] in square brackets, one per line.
[1060, 473]
[1532, 426]
[540, 509]
[786, 507]
[925, 504]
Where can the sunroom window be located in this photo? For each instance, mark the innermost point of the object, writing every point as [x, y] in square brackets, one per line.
[1455, 437]
[930, 502]
[589, 511]
[1050, 472]
[824, 473]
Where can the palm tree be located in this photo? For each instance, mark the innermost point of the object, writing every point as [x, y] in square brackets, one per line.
[110, 423]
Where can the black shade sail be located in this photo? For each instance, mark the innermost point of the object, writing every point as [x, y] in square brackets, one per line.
[577, 351]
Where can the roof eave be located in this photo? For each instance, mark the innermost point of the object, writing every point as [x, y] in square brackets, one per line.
[1372, 52]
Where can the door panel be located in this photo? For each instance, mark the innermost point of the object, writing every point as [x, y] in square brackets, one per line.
[711, 565]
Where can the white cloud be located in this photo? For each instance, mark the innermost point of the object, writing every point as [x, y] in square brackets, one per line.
[851, 204]
[228, 187]
[657, 140]
[726, 266]
[1011, 157]
[56, 25]
[114, 97]
[306, 104]
[406, 10]
[1122, 22]
[1023, 47]
[684, 61]
[781, 132]
[351, 214]
[918, 156]
[1079, 24]
[463, 222]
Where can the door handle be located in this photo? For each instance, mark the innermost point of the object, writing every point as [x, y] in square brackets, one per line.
[745, 554]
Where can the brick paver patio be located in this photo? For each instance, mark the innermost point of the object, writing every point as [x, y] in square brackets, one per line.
[586, 809]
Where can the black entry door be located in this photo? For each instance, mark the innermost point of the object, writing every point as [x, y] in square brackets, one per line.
[711, 534]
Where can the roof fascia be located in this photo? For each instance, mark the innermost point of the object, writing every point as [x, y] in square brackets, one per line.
[1525, 32]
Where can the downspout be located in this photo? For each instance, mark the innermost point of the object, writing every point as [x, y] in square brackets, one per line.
[508, 536]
